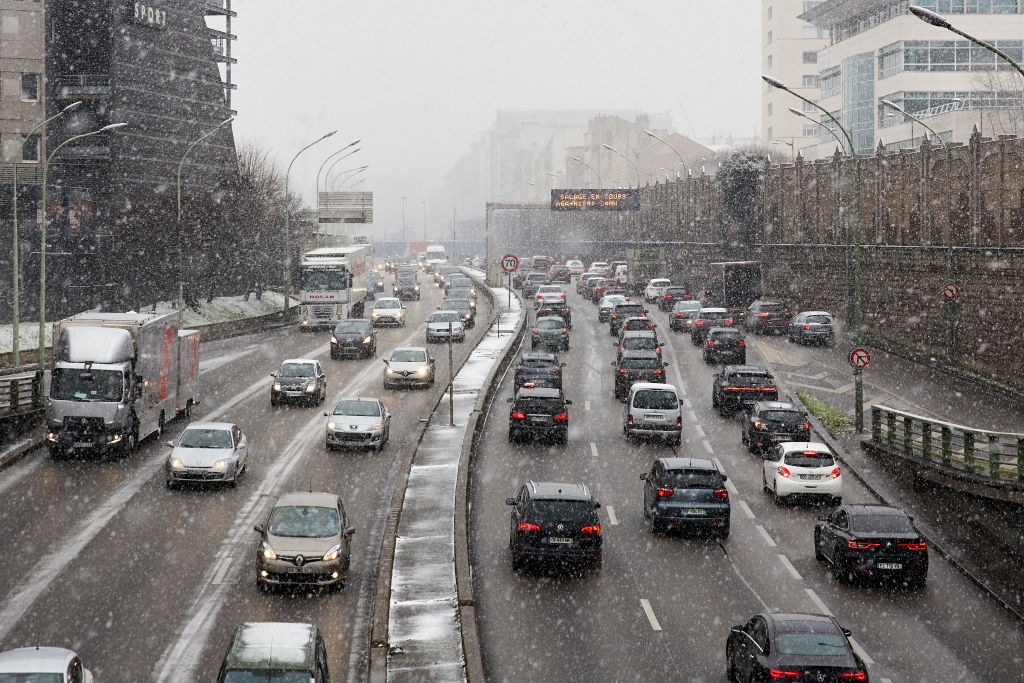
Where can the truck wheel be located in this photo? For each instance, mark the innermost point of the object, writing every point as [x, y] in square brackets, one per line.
[130, 441]
[188, 408]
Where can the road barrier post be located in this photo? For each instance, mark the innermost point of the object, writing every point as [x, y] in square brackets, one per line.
[926, 441]
[876, 424]
[890, 429]
[1020, 459]
[947, 446]
[993, 456]
[969, 451]
[908, 436]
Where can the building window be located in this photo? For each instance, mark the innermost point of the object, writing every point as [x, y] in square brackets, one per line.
[809, 106]
[949, 55]
[769, 12]
[859, 100]
[810, 81]
[769, 61]
[769, 109]
[30, 148]
[810, 56]
[769, 37]
[810, 131]
[890, 60]
[30, 87]
[831, 82]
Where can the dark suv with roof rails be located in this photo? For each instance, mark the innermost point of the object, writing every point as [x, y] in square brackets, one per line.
[686, 493]
[555, 524]
[724, 345]
[621, 311]
[770, 422]
[539, 369]
[637, 366]
[538, 413]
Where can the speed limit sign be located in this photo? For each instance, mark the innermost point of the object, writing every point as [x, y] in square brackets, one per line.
[509, 263]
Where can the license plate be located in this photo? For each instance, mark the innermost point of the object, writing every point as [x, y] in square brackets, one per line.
[699, 512]
[540, 420]
[83, 444]
[781, 437]
[559, 540]
[889, 565]
[811, 477]
[655, 416]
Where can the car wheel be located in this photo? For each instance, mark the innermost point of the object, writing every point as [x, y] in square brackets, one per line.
[723, 532]
[818, 555]
[776, 498]
[274, 402]
[838, 566]
[730, 665]
[723, 410]
[764, 483]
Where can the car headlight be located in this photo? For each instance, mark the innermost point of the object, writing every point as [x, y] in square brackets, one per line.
[374, 314]
[472, 304]
[114, 438]
[466, 317]
[331, 425]
[277, 386]
[310, 388]
[422, 371]
[388, 371]
[334, 340]
[268, 552]
[367, 340]
[417, 289]
[378, 425]
[51, 436]
[332, 554]
[221, 464]
[176, 463]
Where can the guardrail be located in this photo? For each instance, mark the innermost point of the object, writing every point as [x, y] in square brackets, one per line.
[20, 389]
[992, 458]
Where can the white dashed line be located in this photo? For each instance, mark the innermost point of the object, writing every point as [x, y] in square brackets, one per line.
[886, 680]
[270, 486]
[699, 430]
[586, 405]
[612, 519]
[767, 538]
[653, 619]
[746, 509]
[731, 488]
[707, 446]
[225, 563]
[693, 416]
[686, 403]
[860, 651]
[817, 601]
[593, 449]
[789, 565]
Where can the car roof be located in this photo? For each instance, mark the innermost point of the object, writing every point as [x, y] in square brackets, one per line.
[314, 499]
[775, 405]
[689, 464]
[297, 360]
[729, 369]
[628, 303]
[815, 313]
[386, 298]
[658, 386]
[36, 660]
[209, 425]
[714, 310]
[539, 355]
[271, 646]
[358, 398]
[795, 446]
[639, 334]
[538, 392]
[875, 509]
[551, 490]
[779, 302]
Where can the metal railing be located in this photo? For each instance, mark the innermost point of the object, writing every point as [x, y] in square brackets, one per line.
[996, 457]
[20, 392]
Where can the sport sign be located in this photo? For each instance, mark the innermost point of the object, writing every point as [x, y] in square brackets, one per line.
[509, 263]
[860, 358]
[951, 291]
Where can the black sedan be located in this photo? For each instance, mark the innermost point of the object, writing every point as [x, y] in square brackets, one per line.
[672, 296]
[353, 338]
[637, 366]
[539, 369]
[872, 540]
[792, 647]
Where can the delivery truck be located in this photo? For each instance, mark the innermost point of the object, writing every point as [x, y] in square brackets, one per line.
[117, 378]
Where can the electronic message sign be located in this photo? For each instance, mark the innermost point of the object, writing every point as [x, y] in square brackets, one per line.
[595, 200]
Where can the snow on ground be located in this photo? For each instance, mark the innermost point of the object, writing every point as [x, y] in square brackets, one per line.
[221, 309]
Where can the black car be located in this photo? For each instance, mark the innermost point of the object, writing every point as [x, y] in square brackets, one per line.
[872, 540]
[559, 274]
[300, 380]
[557, 310]
[540, 369]
[764, 316]
[538, 412]
[555, 524]
[724, 345]
[705, 320]
[550, 332]
[621, 311]
[682, 315]
[353, 338]
[643, 340]
[792, 647]
[686, 493]
[532, 282]
[465, 309]
[672, 296]
[637, 366]
[769, 422]
[738, 386]
[406, 289]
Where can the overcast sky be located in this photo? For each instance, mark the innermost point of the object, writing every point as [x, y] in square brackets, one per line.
[418, 81]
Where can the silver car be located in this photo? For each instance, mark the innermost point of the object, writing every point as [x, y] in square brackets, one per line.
[441, 322]
[409, 366]
[208, 452]
[50, 664]
[388, 311]
[358, 422]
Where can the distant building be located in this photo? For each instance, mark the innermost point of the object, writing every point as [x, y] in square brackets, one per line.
[878, 50]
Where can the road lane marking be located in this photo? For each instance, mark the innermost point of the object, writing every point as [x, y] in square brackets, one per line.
[693, 417]
[270, 486]
[707, 446]
[687, 404]
[650, 615]
[611, 515]
[593, 449]
[586, 405]
[699, 430]
[719, 465]
[767, 538]
[886, 680]
[225, 563]
[818, 602]
[789, 565]
[731, 488]
[860, 651]
[746, 509]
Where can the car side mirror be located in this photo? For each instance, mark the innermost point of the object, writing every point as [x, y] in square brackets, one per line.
[326, 414]
[274, 375]
[170, 444]
[259, 528]
[509, 399]
[568, 402]
[847, 632]
[349, 531]
[510, 501]
[822, 518]
[561, 365]
[644, 476]
[612, 364]
[596, 505]
[665, 364]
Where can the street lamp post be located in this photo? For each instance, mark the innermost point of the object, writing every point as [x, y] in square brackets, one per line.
[331, 156]
[631, 162]
[356, 170]
[327, 175]
[342, 185]
[600, 183]
[403, 226]
[42, 239]
[686, 173]
[287, 285]
[948, 306]
[181, 258]
[858, 390]
[15, 285]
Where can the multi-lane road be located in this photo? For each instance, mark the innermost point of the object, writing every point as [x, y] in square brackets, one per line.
[146, 583]
[661, 606]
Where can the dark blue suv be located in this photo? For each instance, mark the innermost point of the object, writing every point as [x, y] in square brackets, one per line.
[686, 493]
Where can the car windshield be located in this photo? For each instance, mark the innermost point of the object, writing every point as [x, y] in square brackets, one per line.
[611, 301]
[406, 282]
[812, 644]
[810, 459]
[578, 511]
[644, 343]
[296, 370]
[550, 324]
[640, 363]
[819, 319]
[303, 521]
[881, 524]
[352, 327]
[205, 438]
[692, 479]
[358, 408]
[263, 677]
[79, 384]
[387, 303]
[456, 304]
[784, 416]
[408, 356]
[446, 317]
[656, 399]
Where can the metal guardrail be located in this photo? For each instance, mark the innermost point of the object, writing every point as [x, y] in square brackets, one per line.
[20, 392]
[994, 457]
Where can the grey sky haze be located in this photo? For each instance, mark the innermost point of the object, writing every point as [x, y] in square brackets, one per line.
[417, 82]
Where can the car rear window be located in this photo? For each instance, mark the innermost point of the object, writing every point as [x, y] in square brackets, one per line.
[549, 324]
[643, 343]
[714, 316]
[731, 335]
[820, 319]
[785, 416]
[812, 644]
[881, 524]
[562, 510]
[772, 308]
[640, 363]
[810, 459]
[655, 399]
[537, 363]
[639, 324]
[628, 309]
[692, 479]
[539, 406]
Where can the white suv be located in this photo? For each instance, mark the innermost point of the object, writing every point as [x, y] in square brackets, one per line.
[653, 409]
[549, 294]
[802, 468]
[575, 267]
[656, 288]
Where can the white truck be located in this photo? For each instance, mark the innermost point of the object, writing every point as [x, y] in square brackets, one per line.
[436, 256]
[117, 378]
[333, 285]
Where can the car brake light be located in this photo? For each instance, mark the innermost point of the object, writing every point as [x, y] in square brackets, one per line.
[859, 545]
[680, 315]
[710, 343]
[807, 425]
[667, 296]
[779, 673]
[615, 315]
[857, 676]
[516, 415]
[741, 343]
[657, 349]
[528, 528]
[783, 471]
[561, 417]
[787, 314]
[698, 322]
[623, 372]
[762, 315]
[727, 322]
[913, 546]
[721, 493]
[665, 493]
[757, 425]
[807, 327]
[565, 331]
[592, 530]
[835, 473]
[659, 372]
[535, 330]
[679, 422]
[621, 349]
[630, 419]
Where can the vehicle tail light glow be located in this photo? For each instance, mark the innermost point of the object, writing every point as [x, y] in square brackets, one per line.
[698, 322]
[621, 349]
[741, 343]
[783, 471]
[855, 676]
[807, 425]
[615, 315]
[535, 330]
[665, 493]
[659, 372]
[727, 322]
[807, 327]
[710, 343]
[757, 425]
[516, 415]
[914, 546]
[787, 314]
[835, 473]
[680, 315]
[762, 315]
[679, 422]
[528, 528]
[859, 545]
[623, 372]
[720, 493]
[667, 296]
[561, 417]
[781, 673]
[592, 530]
[565, 331]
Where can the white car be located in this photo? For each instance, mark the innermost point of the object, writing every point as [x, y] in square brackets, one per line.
[358, 422]
[802, 469]
[443, 321]
[51, 664]
[656, 288]
[575, 267]
[409, 366]
[388, 311]
[208, 452]
[549, 294]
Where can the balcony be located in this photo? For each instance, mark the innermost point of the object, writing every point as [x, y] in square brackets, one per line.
[83, 86]
[219, 8]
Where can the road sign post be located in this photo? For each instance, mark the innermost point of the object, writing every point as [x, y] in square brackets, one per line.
[859, 359]
[510, 264]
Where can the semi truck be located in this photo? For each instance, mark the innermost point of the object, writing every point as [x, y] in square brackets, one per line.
[333, 285]
[733, 284]
[117, 378]
[436, 256]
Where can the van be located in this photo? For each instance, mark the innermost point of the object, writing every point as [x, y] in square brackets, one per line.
[264, 651]
[653, 409]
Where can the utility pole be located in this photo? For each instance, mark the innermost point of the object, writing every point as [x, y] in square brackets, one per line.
[403, 227]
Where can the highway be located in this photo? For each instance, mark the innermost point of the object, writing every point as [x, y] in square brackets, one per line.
[148, 584]
[661, 606]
